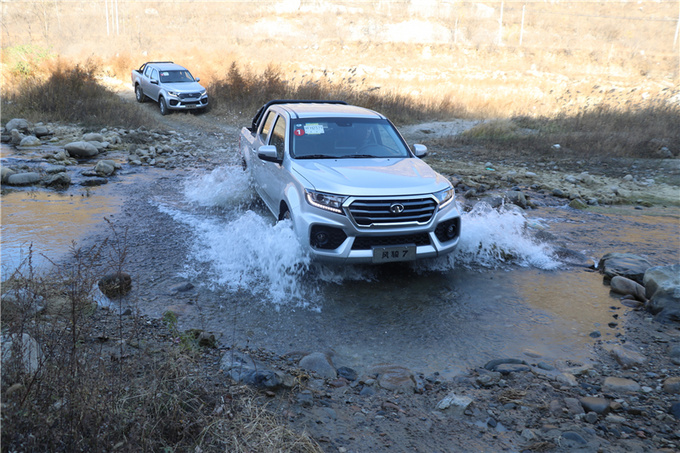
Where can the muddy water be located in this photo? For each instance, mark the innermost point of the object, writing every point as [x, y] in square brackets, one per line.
[504, 293]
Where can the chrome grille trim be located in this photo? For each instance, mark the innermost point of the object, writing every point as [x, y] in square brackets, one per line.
[376, 211]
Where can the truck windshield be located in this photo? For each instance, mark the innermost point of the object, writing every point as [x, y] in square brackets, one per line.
[345, 138]
[176, 76]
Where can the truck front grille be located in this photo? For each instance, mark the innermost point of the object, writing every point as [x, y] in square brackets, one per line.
[367, 212]
[366, 242]
[189, 95]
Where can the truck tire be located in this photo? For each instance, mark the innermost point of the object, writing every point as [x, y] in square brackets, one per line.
[163, 106]
[139, 94]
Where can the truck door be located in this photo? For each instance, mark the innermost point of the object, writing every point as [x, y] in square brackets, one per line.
[257, 165]
[273, 174]
[154, 88]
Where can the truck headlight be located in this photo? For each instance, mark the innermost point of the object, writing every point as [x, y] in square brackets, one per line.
[329, 202]
[174, 94]
[203, 93]
[444, 197]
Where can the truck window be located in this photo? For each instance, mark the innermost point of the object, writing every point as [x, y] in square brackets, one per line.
[279, 137]
[267, 126]
[154, 74]
[147, 71]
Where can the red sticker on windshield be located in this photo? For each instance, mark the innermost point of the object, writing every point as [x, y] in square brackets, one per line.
[299, 132]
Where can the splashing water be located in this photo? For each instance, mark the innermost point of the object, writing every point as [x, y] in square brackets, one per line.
[246, 249]
[226, 187]
[491, 237]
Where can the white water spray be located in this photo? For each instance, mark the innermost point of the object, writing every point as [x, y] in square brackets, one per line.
[246, 250]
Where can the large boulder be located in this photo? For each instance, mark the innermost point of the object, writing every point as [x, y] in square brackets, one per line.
[81, 149]
[23, 179]
[623, 264]
[105, 167]
[30, 140]
[19, 124]
[662, 287]
[93, 137]
[6, 173]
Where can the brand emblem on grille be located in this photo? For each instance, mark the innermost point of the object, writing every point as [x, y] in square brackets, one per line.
[396, 208]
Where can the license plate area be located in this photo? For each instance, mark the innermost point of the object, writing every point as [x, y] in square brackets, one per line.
[395, 253]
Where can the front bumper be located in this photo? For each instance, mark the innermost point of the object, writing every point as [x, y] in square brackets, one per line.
[336, 238]
[176, 103]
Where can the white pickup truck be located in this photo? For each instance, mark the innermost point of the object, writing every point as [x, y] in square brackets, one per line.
[353, 188]
[169, 84]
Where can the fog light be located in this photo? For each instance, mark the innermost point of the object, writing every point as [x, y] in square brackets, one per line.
[451, 231]
[321, 238]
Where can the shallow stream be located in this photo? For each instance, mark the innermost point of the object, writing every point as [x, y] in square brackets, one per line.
[503, 293]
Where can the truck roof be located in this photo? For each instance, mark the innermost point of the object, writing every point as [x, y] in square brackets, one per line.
[166, 66]
[313, 110]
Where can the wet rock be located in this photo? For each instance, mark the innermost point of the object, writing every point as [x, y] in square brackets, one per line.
[41, 131]
[58, 180]
[27, 347]
[93, 137]
[516, 197]
[675, 410]
[574, 406]
[577, 203]
[508, 368]
[181, 287]
[16, 137]
[488, 379]
[19, 124]
[320, 364]
[595, 404]
[30, 140]
[394, 378]
[454, 404]
[559, 193]
[115, 284]
[81, 149]
[672, 385]
[105, 167]
[626, 286]
[591, 417]
[627, 357]
[243, 369]
[101, 146]
[620, 385]
[5, 172]
[53, 168]
[674, 354]
[625, 265]
[23, 179]
[662, 287]
[571, 439]
[92, 182]
[347, 373]
[493, 364]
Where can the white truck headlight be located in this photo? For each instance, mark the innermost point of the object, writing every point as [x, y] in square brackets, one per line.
[174, 94]
[445, 196]
[327, 201]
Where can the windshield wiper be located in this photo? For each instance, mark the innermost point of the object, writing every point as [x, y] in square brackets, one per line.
[315, 156]
[359, 156]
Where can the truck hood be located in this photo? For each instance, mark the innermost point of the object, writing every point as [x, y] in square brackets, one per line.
[184, 87]
[370, 177]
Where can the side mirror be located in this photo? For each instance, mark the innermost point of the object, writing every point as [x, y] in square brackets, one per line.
[198, 79]
[268, 153]
[420, 150]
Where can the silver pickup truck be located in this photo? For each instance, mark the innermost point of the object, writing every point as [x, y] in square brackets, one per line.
[169, 84]
[353, 188]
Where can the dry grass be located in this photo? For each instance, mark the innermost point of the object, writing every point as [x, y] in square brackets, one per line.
[56, 90]
[105, 381]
